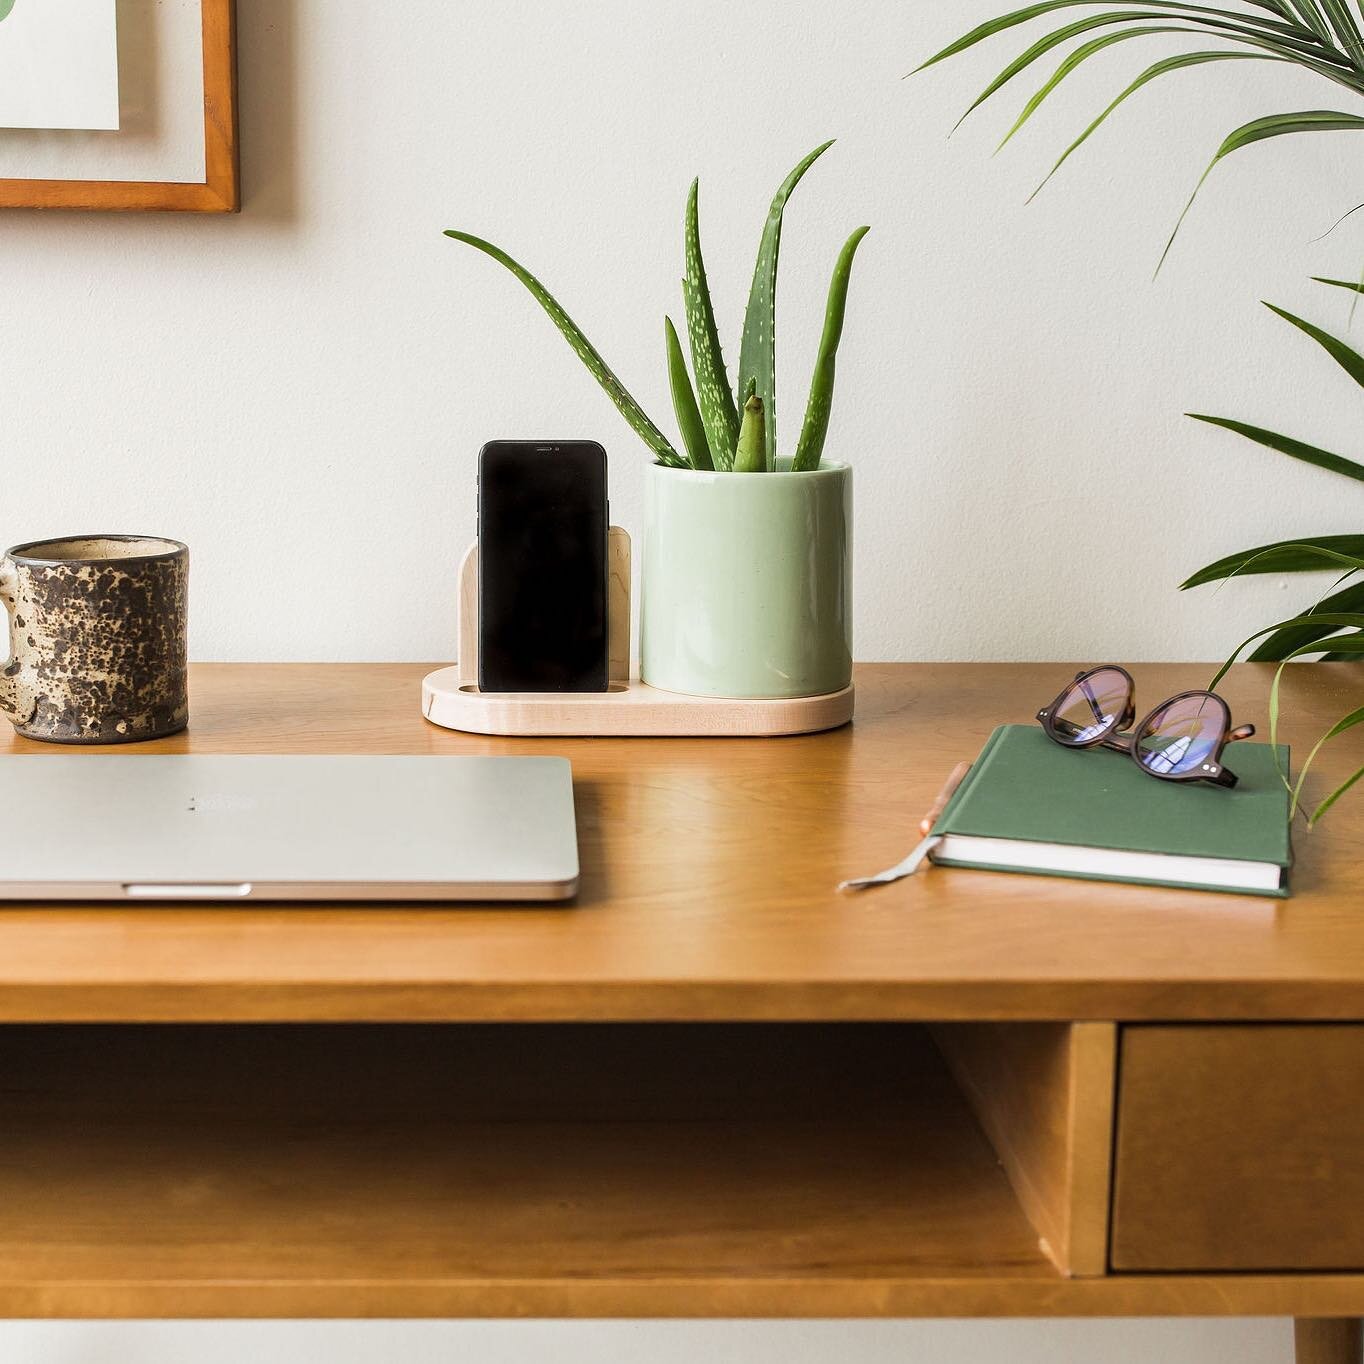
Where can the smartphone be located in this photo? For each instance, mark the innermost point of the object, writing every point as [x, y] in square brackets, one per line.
[542, 526]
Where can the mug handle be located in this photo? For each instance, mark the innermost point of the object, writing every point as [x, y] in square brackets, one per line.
[9, 680]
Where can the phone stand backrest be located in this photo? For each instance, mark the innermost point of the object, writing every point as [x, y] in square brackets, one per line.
[617, 605]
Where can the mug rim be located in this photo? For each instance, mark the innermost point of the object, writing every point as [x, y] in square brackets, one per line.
[20, 553]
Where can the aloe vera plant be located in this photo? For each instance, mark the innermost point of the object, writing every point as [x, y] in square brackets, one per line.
[1323, 37]
[715, 435]
[1332, 628]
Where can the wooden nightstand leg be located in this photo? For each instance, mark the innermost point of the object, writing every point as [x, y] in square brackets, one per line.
[1328, 1340]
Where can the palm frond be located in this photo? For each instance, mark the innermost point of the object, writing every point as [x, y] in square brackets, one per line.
[1260, 130]
[1286, 445]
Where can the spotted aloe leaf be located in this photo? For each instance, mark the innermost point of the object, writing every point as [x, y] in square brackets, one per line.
[758, 353]
[684, 401]
[585, 351]
[820, 402]
[715, 397]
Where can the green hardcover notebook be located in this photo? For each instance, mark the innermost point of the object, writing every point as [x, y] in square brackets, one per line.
[1030, 805]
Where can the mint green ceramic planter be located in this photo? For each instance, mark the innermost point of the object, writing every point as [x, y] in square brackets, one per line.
[747, 582]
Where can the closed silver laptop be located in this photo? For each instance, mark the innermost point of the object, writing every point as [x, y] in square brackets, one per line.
[165, 827]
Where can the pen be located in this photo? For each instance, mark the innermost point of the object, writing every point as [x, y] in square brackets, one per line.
[958, 775]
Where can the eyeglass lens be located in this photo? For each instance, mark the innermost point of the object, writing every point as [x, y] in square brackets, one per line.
[1093, 706]
[1181, 736]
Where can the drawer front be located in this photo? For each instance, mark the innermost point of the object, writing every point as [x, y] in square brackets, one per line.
[1240, 1148]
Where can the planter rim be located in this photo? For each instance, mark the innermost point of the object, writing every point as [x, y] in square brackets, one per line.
[827, 468]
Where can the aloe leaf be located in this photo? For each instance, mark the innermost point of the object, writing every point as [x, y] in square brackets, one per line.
[992, 27]
[750, 455]
[821, 399]
[758, 353]
[1260, 130]
[712, 382]
[1160, 68]
[1312, 555]
[1281, 642]
[585, 351]
[1349, 360]
[1286, 445]
[684, 401]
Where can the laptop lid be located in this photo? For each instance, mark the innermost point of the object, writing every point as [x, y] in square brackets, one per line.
[102, 826]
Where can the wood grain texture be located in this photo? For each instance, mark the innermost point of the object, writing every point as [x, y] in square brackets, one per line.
[1043, 1092]
[509, 1171]
[218, 192]
[1240, 1148]
[1328, 1340]
[708, 883]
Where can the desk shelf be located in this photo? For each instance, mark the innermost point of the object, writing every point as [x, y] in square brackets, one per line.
[574, 1171]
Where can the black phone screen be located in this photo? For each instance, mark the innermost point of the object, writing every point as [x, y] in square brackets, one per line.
[542, 526]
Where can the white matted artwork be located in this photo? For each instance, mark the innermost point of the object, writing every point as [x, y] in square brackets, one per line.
[174, 144]
[59, 64]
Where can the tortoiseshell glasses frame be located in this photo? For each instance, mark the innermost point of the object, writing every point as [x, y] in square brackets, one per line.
[1181, 739]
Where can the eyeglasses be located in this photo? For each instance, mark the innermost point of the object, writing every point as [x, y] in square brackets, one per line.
[1181, 740]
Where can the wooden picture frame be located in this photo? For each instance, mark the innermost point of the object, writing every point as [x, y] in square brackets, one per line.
[218, 192]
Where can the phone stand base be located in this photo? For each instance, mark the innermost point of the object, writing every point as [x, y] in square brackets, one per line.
[627, 708]
[451, 698]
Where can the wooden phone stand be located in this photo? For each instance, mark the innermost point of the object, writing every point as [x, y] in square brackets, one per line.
[451, 698]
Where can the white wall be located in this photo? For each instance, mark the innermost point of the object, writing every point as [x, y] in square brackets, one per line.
[300, 392]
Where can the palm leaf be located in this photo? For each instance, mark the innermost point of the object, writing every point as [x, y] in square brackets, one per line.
[1311, 17]
[1281, 642]
[1346, 30]
[1095, 45]
[585, 351]
[684, 401]
[820, 402]
[1310, 555]
[1260, 130]
[758, 353]
[1280, 43]
[1356, 285]
[712, 382]
[1334, 796]
[992, 27]
[1347, 619]
[1286, 445]
[1160, 68]
[1349, 360]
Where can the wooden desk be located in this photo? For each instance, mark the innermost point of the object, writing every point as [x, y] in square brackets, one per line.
[713, 1087]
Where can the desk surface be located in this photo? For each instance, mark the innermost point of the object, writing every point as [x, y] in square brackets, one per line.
[708, 884]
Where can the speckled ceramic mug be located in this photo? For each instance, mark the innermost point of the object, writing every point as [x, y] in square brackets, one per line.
[97, 638]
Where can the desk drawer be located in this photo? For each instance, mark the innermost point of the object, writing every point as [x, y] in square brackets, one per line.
[1240, 1148]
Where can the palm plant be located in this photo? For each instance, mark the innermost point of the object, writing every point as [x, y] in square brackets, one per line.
[1332, 629]
[1324, 37]
[718, 434]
